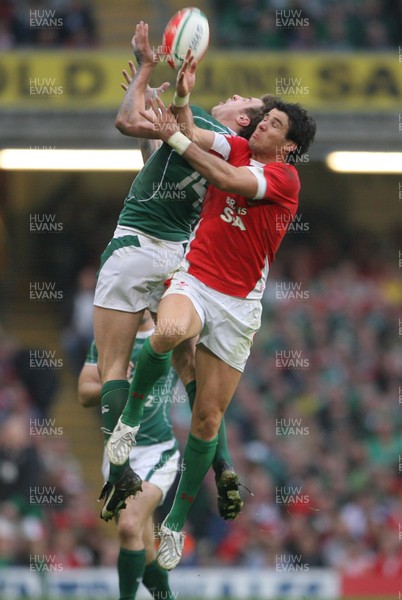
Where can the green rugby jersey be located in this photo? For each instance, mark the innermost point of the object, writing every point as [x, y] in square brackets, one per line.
[165, 198]
[156, 425]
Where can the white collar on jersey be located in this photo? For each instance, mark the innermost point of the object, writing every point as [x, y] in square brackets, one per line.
[256, 163]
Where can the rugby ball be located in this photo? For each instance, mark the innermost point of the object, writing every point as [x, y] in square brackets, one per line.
[188, 28]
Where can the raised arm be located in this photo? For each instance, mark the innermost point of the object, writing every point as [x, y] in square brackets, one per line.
[181, 108]
[129, 120]
[237, 180]
[147, 145]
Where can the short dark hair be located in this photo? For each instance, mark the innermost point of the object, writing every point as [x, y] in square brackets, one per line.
[257, 114]
[302, 127]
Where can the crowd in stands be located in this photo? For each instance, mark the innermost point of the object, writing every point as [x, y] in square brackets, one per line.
[236, 24]
[309, 24]
[47, 24]
[45, 510]
[314, 431]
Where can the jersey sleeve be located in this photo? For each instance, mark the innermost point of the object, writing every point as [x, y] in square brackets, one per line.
[278, 183]
[221, 146]
[232, 148]
[258, 173]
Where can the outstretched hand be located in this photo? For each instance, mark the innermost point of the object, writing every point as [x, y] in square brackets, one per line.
[150, 93]
[162, 118]
[141, 47]
[186, 76]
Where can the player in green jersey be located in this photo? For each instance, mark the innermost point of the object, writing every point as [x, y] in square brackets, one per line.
[155, 458]
[159, 212]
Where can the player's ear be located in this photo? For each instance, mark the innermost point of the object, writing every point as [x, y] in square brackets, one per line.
[290, 146]
[243, 120]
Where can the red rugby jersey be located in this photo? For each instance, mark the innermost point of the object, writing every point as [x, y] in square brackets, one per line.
[236, 238]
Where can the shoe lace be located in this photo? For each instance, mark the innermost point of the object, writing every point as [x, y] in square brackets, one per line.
[128, 437]
[240, 484]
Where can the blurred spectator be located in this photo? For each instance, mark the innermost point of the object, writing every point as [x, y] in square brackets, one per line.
[41, 384]
[79, 29]
[50, 24]
[21, 474]
[77, 337]
[272, 24]
[307, 24]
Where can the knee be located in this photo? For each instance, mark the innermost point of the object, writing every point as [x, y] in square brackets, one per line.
[128, 530]
[167, 336]
[205, 424]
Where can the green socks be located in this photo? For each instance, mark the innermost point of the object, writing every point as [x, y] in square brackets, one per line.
[197, 458]
[150, 366]
[130, 567]
[222, 450]
[113, 400]
[156, 581]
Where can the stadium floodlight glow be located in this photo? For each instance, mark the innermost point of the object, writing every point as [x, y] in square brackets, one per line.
[51, 159]
[365, 162]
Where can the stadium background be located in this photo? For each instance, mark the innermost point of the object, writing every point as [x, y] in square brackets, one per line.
[314, 428]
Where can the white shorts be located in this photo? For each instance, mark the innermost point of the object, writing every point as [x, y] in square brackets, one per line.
[228, 323]
[133, 270]
[157, 464]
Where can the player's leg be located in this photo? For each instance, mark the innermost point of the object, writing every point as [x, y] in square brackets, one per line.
[115, 333]
[158, 465]
[177, 320]
[216, 384]
[155, 579]
[230, 502]
[133, 526]
[121, 295]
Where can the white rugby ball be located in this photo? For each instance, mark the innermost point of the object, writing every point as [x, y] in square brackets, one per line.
[188, 28]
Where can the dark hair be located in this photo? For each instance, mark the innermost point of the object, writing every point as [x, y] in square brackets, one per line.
[302, 127]
[257, 114]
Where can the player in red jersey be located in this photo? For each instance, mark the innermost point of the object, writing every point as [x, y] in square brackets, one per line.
[217, 291]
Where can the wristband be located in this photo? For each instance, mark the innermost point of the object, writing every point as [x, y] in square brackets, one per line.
[179, 142]
[179, 102]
